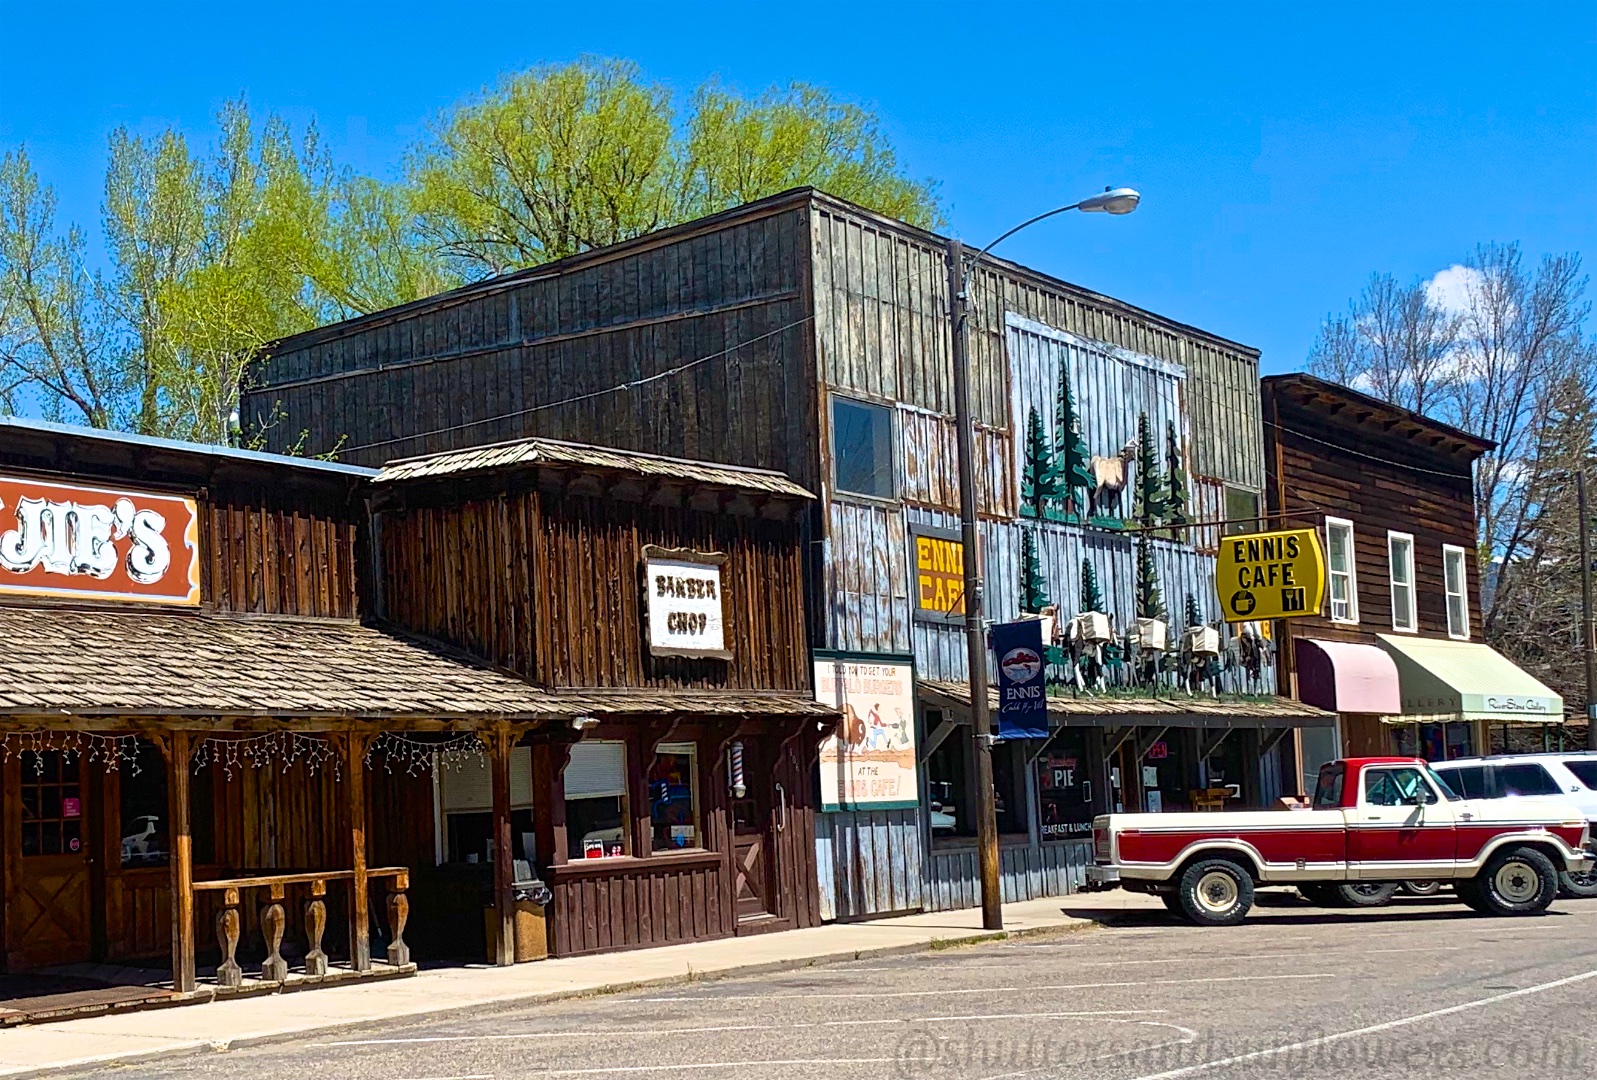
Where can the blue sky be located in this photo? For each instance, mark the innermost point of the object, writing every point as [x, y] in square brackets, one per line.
[1284, 151]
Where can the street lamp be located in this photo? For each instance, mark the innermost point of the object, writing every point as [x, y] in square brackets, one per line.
[1109, 201]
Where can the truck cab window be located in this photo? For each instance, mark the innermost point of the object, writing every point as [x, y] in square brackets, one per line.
[1396, 787]
[1328, 792]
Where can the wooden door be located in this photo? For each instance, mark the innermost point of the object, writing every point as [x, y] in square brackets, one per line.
[49, 860]
[752, 871]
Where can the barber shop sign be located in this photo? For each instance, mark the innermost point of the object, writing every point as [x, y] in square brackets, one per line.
[94, 543]
[682, 591]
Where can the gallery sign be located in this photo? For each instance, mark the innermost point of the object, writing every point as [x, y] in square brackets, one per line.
[1272, 575]
[870, 763]
[682, 592]
[95, 543]
[937, 562]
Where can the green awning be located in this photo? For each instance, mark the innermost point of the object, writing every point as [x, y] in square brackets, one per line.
[1441, 680]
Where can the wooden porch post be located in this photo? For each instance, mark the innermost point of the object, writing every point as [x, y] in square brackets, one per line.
[179, 746]
[503, 867]
[360, 943]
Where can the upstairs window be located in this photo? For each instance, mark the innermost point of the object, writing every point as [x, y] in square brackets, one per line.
[1241, 510]
[1400, 562]
[1339, 563]
[1454, 577]
[862, 448]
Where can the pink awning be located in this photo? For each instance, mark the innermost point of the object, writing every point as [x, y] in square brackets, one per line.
[1346, 677]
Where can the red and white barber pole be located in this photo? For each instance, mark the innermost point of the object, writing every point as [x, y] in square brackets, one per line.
[735, 769]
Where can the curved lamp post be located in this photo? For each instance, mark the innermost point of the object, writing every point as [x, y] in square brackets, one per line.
[1109, 201]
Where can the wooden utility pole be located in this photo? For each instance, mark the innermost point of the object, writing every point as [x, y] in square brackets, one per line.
[975, 633]
[1587, 640]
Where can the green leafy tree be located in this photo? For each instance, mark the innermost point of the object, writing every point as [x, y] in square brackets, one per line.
[563, 158]
[1072, 461]
[1176, 489]
[1039, 487]
[1150, 601]
[1033, 589]
[1091, 596]
[1150, 496]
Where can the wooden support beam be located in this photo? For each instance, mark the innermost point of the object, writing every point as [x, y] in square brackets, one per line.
[1211, 743]
[1114, 740]
[938, 736]
[178, 749]
[1273, 738]
[360, 939]
[499, 745]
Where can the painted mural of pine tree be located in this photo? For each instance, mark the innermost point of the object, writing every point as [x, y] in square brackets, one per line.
[1194, 616]
[1091, 595]
[1033, 590]
[1176, 491]
[1150, 602]
[1038, 488]
[1149, 495]
[1072, 459]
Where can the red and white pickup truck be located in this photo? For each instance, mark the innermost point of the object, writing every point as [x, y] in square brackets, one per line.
[1372, 820]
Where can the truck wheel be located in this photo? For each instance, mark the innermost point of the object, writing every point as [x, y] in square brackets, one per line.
[1517, 881]
[1215, 892]
[1321, 894]
[1578, 886]
[1367, 893]
[1421, 888]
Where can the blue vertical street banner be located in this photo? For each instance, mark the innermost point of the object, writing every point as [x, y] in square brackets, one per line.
[1022, 696]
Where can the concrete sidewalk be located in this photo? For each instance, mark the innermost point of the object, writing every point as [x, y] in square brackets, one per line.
[92, 1041]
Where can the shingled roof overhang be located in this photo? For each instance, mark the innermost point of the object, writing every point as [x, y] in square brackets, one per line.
[1117, 710]
[102, 668]
[554, 454]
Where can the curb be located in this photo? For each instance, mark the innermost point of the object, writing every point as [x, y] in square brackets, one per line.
[482, 1008]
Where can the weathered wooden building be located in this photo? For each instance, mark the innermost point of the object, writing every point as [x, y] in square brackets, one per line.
[659, 602]
[806, 335]
[1397, 651]
[188, 704]
[257, 711]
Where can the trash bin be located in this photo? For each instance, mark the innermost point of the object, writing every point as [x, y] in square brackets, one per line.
[532, 936]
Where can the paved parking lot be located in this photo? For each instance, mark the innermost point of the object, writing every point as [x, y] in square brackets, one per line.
[1421, 989]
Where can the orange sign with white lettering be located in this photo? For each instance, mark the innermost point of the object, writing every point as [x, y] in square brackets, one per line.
[95, 543]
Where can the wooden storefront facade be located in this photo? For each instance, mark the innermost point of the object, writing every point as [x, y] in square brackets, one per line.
[223, 747]
[809, 336]
[533, 557]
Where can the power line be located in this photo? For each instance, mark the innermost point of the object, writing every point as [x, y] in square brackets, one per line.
[631, 384]
[1372, 457]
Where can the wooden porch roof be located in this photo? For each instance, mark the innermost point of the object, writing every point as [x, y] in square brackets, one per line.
[1178, 711]
[102, 666]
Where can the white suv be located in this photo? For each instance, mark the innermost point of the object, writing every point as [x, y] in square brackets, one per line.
[1569, 776]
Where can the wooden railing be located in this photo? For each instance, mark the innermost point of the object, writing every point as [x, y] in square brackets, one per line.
[274, 920]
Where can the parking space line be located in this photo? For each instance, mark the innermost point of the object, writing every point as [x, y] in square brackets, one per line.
[588, 1033]
[880, 995]
[1373, 1029]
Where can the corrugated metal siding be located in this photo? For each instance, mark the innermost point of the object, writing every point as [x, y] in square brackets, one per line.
[1024, 872]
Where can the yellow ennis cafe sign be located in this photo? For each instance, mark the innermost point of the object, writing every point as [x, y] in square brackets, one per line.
[1273, 575]
[939, 565]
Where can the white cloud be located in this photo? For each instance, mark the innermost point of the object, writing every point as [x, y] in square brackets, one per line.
[1450, 289]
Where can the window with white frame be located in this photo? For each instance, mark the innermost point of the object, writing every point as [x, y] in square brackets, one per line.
[1454, 578]
[1400, 564]
[1344, 578]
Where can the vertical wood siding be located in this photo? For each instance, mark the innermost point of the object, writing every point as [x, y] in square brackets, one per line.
[869, 862]
[550, 586]
[1024, 873]
[262, 557]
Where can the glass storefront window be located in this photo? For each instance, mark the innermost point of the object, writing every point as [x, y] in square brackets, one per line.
[947, 784]
[596, 800]
[674, 797]
[1064, 790]
[143, 820]
[1434, 742]
[52, 803]
[466, 802]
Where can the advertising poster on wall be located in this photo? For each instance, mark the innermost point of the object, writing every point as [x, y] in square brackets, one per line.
[870, 763]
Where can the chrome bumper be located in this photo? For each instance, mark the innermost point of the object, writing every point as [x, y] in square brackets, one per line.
[1102, 877]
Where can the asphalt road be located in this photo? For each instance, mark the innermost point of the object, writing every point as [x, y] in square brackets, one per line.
[1421, 989]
